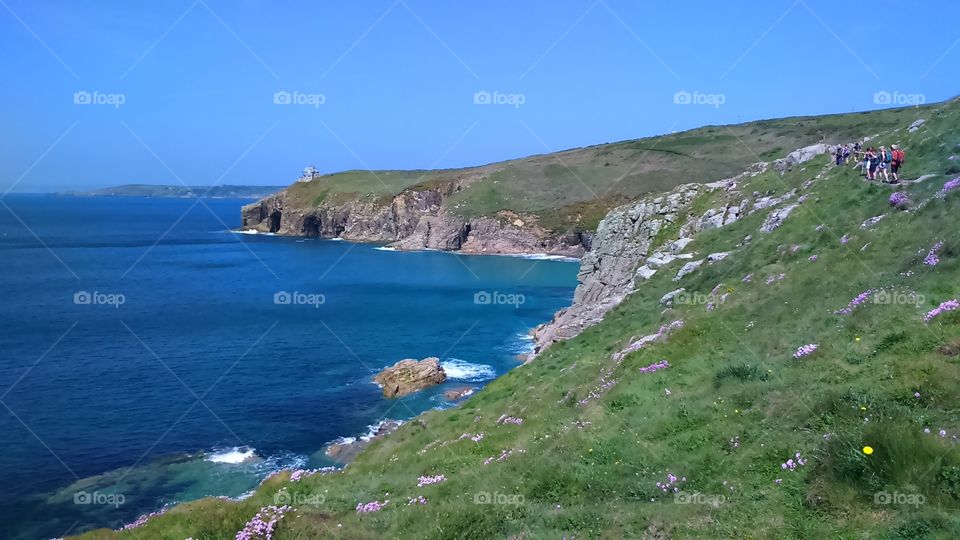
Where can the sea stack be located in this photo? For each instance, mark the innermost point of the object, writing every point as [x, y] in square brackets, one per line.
[408, 376]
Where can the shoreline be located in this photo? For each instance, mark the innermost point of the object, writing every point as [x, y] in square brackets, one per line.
[380, 246]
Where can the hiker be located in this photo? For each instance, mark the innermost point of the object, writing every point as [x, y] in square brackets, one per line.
[884, 159]
[870, 160]
[898, 157]
[839, 155]
[846, 153]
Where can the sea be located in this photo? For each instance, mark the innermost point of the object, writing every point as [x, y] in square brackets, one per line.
[150, 355]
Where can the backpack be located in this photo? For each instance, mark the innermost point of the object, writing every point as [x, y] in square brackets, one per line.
[887, 157]
[899, 156]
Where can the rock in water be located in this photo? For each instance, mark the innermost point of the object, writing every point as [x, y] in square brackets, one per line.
[457, 393]
[407, 376]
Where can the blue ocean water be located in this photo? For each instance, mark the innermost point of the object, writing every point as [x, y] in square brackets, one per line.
[144, 347]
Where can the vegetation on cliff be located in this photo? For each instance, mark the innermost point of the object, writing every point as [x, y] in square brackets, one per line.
[805, 386]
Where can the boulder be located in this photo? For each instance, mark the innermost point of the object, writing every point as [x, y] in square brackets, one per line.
[688, 268]
[457, 393]
[916, 125]
[408, 376]
[717, 257]
[776, 218]
[667, 299]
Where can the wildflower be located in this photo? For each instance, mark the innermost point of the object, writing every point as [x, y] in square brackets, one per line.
[812, 258]
[778, 481]
[943, 433]
[868, 450]
[667, 392]
[844, 239]
[806, 350]
[503, 456]
[663, 364]
[949, 186]
[926, 431]
[671, 484]
[949, 305]
[820, 227]
[794, 462]
[372, 506]
[932, 259]
[419, 499]
[263, 524]
[899, 200]
[504, 419]
[747, 278]
[300, 474]
[427, 480]
[916, 395]
[856, 302]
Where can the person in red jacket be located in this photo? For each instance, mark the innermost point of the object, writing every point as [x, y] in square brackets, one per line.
[897, 161]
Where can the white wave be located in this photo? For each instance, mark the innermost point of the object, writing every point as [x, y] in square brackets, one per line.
[344, 440]
[465, 371]
[522, 343]
[372, 429]
[337, 239]
[252, 231]
[544, 257]
[233, 455]
[385, 248]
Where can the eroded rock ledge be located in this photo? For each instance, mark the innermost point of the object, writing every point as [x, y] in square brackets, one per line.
[415, 219]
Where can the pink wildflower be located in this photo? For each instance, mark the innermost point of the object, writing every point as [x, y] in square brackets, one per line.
[372, 506]
[932, 259]
[856, 302]
[263, 525]
[949, 305]
[806, 350]
[427, 480]
[663, 364]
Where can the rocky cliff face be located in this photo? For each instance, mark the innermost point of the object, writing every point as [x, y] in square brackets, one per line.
[639, 239]
[412, 220]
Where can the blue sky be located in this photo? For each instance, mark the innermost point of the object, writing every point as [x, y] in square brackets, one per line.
[186, 90]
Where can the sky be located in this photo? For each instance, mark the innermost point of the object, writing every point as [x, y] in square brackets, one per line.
[201, 92]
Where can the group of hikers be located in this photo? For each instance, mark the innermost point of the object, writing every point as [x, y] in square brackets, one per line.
[873, 161]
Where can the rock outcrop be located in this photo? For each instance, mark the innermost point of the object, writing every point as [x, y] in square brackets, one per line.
[345, 450]
[633, 242]
[408, 376]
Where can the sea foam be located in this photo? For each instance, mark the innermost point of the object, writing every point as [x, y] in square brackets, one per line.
[465, 371]
[232, 455]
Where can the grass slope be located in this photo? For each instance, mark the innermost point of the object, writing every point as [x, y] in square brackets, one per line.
[575, 188]
[739, 405]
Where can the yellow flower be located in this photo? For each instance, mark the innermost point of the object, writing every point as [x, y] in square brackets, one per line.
[868, 450]
[862, 408]
[857, 338]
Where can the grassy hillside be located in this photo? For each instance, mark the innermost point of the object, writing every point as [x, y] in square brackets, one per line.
[575, 188]
[598, 439]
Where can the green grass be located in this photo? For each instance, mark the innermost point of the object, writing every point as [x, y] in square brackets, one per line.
[590, 472]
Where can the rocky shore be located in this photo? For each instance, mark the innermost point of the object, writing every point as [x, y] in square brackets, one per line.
[415, 219]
